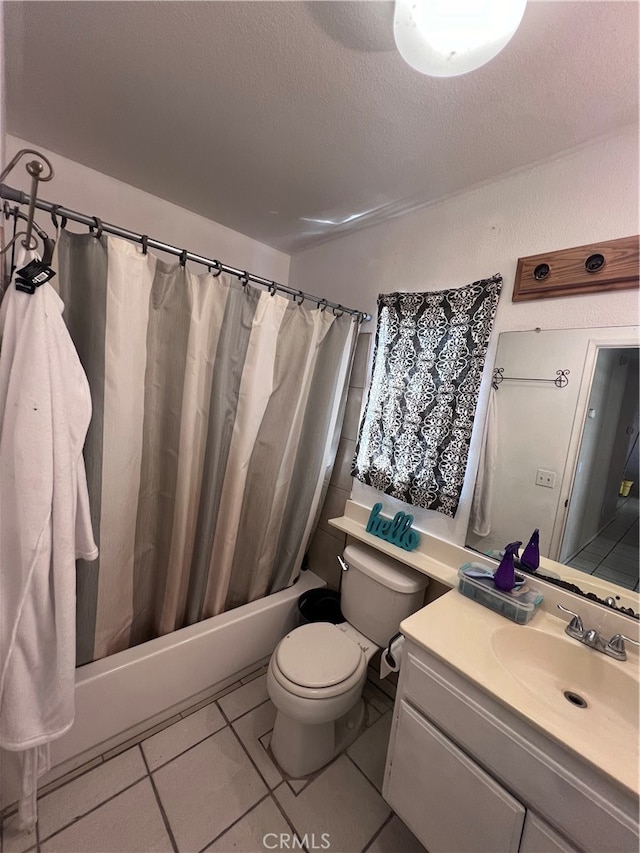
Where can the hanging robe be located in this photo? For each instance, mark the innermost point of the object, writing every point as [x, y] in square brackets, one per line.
[45, 409]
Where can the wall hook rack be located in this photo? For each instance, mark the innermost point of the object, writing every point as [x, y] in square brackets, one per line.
[561, 379]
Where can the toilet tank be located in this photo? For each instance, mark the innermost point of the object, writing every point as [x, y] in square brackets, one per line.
[378, 592]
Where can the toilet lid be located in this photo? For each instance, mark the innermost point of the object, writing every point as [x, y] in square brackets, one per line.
[317, 655]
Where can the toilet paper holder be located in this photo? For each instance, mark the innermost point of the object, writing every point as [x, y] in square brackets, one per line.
[388, 655]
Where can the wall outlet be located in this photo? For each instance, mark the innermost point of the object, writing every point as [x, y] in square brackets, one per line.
[545, 478]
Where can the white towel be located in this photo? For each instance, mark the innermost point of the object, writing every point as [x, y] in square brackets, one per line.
[45, 409]
[483, 494]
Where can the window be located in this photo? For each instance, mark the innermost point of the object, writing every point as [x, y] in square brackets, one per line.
[430, 350]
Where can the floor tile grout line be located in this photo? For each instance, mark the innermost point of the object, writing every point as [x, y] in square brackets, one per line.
[228, 723]
[236, 821]
[286, 817]
[256, 768]
[244, 713]
[245, 750]
[187, 749]
[377, 832]
[63, 784]
[362, 773]
[163, 814]
[94, 808]
[380, 690]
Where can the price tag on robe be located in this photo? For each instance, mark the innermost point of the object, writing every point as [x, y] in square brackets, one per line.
[396, 530]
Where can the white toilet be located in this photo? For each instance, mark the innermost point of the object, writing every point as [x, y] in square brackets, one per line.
[317, 672]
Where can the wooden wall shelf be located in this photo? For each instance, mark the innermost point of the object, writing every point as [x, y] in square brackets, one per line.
[594, 268]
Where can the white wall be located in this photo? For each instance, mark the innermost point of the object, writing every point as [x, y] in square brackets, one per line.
[87, 191]
[587, 195]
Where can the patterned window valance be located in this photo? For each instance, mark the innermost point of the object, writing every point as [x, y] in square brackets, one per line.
[430, 349]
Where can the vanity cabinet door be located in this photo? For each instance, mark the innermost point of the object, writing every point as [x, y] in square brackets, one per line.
[447, 801]
[538, 837]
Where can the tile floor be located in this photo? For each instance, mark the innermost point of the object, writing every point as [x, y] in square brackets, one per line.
[208, 782]
[613, 554]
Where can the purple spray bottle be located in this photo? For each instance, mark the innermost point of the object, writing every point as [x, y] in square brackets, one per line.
[530, 558]
[505, 577]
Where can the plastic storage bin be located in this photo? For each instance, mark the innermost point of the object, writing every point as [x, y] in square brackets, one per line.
[517, 605]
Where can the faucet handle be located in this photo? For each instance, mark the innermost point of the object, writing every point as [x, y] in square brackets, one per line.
[576, 622]
[616, 644]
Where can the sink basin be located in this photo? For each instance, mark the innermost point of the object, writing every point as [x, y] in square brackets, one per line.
[584, 686]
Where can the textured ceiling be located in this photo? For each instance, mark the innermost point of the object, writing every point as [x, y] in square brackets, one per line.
[292, 121]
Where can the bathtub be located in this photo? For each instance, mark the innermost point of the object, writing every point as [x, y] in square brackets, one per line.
[124, 694]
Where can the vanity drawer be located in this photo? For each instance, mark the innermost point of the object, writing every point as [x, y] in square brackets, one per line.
[448, 802]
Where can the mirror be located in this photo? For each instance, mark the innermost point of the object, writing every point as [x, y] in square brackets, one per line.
[565, 427]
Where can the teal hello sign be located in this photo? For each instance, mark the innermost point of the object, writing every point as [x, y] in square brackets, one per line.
[396, 530]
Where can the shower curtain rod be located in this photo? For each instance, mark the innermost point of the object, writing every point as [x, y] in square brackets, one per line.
[21, 197]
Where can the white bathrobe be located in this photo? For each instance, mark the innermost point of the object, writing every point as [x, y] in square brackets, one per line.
[45, 409]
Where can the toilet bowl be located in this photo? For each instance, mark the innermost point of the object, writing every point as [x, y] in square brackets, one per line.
[317, 672]
[315, 680]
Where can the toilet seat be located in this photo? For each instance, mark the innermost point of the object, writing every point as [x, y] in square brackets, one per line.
[318, 661]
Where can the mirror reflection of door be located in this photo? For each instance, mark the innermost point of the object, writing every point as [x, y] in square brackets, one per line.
[601, 529]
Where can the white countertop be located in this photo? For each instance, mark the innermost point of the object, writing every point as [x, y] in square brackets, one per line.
[463, 634]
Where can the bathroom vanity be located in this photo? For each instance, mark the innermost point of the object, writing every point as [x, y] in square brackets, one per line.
[509, 737]
[486, 751]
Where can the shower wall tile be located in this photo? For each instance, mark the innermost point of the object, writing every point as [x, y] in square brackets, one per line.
[341, 475]
[323, 553]
[360, 367]
[333, 507]
[352, 413]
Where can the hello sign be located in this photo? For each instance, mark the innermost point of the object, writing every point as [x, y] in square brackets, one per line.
[396, 530]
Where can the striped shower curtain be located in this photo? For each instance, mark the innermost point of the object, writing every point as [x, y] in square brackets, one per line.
[216, 417]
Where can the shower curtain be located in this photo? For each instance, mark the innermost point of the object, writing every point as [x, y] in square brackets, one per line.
[216, 416]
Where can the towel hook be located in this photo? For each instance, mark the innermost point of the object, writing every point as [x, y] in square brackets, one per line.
[183, 257]
[299, 294]
[144, 239]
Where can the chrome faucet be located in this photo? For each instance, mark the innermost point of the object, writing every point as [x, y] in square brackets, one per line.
[613, 648]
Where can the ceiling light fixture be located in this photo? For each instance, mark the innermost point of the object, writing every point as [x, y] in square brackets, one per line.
[445, 38]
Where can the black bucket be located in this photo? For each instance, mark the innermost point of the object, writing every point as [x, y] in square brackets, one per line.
[320, 605]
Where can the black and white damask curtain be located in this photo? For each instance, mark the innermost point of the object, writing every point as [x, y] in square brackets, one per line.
[430, 350]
